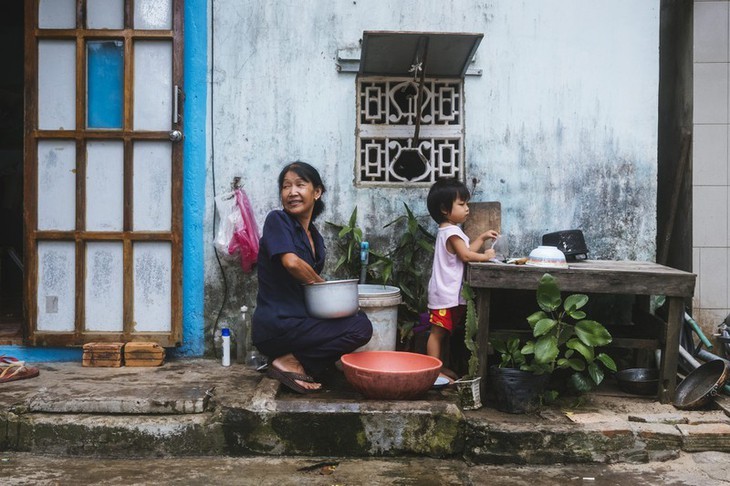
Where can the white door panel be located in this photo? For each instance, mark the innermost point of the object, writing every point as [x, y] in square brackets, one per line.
[152, 279]
[57, 14]
[153, 14]
[56, 185]
[105, 14]
[56, 85]
[103, 288]
[104, 186]
[152, 85]
[152, 186]
[56, 289]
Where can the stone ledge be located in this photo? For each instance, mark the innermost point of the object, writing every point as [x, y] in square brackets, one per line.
[305, 427]
[705, 437]
[112, 435]
[601, 442]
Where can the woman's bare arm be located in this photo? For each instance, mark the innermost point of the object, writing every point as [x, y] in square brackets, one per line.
[299, 269]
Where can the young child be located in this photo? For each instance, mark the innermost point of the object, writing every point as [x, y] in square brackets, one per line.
[447, 204]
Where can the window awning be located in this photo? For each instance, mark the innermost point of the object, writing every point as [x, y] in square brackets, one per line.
[387, 53]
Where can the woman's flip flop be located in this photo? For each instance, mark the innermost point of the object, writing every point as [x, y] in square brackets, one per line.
[7, 360]
[17, 371]
[287, 378]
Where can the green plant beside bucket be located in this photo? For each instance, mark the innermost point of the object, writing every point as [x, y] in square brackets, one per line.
[406, 265]
[349, 239]
[562, 338]
[468, 386]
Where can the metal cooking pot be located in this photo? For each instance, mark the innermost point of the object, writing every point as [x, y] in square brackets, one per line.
[638, 381]
[331, 299]
[570, 242]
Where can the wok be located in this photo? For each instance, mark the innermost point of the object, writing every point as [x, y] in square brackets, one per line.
[639, 381]
[701, 384]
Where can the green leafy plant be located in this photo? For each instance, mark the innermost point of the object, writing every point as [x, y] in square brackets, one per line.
[562, 339]
[349, 238]
[407, 267]
[471, 327]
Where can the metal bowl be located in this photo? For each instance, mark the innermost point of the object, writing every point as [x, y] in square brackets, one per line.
[701, 385]
[547, 256]
[638, 381]
[332, 299]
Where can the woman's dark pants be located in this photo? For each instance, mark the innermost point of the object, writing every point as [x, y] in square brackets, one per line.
[318, 343]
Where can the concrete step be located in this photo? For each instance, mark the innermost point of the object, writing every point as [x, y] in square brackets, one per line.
[113, 435]
[340, 424]
[195, 407]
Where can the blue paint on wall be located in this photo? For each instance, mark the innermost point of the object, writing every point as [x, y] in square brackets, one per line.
[194, 149]
[42, 355]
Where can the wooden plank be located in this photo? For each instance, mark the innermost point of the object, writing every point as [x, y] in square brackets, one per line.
[103, 235]
[590, 276]
[483, 216]
[66, 339]
[143, 347]
[670, 351]
[101, 363]
[103, 347]
[143, 363]
[30, 170]
[177, 175]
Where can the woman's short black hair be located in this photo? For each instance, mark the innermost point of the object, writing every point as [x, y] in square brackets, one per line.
[442, 195]
[309, 174]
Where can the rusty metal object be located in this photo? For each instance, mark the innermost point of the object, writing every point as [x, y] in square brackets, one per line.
[701, 385]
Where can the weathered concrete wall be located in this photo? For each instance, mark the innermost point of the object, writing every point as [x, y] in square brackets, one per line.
[561, 127]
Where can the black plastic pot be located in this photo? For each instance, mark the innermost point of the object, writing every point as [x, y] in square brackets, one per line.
[516, 391]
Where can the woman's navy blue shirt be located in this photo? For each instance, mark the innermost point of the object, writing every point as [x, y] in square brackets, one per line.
[280, 300]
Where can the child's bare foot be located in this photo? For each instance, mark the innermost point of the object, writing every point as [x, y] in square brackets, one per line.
[448, 374]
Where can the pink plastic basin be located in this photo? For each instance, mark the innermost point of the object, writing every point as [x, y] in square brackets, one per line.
[390, 375]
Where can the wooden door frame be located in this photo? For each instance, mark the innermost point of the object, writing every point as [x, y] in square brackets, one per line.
[80, 135]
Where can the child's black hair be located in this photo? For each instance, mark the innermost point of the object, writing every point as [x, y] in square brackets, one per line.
[442, 195]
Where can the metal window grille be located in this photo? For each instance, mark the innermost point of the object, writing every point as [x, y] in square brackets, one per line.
[386, 118]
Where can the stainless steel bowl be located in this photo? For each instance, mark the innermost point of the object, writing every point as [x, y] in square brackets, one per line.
[332, 299]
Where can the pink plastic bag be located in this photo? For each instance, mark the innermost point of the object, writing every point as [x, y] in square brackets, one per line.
[245, 238]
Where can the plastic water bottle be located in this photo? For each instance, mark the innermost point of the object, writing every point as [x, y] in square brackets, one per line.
[364, 256]
[242, 337]
[252, 359]
[226, 338]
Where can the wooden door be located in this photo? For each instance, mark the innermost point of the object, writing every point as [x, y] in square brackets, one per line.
[103, 171]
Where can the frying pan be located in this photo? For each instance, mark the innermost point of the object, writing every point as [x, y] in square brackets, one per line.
[701, 385]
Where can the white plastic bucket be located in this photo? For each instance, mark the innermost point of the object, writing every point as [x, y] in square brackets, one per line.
[380, 304]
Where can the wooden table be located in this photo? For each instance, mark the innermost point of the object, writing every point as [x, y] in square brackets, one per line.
[594, 276]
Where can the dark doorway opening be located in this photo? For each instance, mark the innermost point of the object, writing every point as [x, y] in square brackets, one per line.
[11, 172]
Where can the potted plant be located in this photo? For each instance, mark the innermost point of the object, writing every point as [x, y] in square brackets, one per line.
[562, 338]
[469, 384]
[349, 239]
[405, 266]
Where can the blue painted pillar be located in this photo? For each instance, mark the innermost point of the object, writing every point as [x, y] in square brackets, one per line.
[194, 157]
